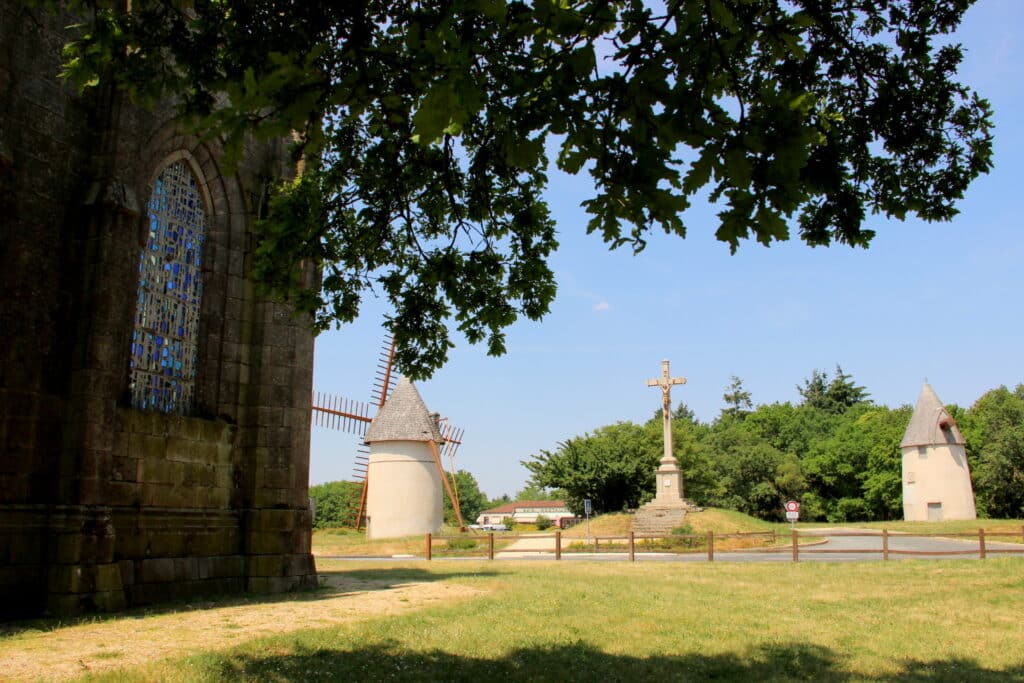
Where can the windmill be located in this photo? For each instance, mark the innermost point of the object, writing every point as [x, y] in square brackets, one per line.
[354, 417]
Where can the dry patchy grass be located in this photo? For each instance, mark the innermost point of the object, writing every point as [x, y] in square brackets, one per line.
[53, 651]
[351, 543]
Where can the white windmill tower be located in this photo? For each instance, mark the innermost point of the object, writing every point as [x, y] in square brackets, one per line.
[406, 480]
[936, 478]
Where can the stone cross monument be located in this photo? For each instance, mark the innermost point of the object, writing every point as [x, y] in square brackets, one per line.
[669, 476]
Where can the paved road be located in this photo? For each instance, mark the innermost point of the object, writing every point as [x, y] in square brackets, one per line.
[845, 545]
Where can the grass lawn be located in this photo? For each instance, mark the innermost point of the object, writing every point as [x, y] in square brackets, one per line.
[581, 621]
[349, 542]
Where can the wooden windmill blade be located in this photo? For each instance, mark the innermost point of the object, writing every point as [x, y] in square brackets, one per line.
[452, 436]
[452, 440]
[384, 379]
[383, 384]
[335, 412]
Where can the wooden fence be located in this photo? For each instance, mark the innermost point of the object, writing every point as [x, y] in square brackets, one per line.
[499, 546]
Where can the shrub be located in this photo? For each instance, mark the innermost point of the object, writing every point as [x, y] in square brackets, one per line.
[684, 530]
[461, 543]
[543, 523]
[337, 503]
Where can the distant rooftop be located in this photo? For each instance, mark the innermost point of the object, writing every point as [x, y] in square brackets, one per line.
[516, 505]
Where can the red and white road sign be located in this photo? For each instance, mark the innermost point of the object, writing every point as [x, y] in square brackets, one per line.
[792, 506]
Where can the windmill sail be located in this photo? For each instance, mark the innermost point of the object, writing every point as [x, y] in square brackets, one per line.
[384, 378]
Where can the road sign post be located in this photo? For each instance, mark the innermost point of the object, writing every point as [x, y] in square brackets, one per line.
[587, 509]
[792, 511]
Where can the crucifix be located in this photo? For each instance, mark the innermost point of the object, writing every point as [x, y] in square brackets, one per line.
[668, 472]
[665, 382]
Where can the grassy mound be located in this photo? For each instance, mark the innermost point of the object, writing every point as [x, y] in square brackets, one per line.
[610, 524]
[726, 522]
[615, 528]
[709, 519]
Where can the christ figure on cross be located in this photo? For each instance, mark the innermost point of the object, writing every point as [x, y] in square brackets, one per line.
[665, 382]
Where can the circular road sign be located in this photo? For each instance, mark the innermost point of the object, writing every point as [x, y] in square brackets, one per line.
[792, 506]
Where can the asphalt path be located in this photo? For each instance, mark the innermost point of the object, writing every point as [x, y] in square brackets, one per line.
[835, 545]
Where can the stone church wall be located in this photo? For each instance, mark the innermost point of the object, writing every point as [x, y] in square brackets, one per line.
[103, 505]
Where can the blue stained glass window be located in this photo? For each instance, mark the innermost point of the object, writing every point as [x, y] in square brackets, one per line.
[164, 342]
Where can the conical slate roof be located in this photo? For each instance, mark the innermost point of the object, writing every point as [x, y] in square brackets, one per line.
[404, 418]
[931, 424]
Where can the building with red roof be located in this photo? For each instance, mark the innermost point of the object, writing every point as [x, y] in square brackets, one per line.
[526, 512]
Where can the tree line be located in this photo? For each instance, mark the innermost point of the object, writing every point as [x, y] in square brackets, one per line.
[835, 451]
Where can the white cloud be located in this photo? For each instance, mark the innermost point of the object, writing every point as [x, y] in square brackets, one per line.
[602, 306]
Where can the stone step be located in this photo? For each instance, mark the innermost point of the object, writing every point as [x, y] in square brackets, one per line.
[659, 519]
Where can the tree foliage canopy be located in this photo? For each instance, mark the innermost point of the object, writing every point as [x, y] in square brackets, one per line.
[994, 430]
[612, 467]
[337, 503]
[737, 400]
[428, 127]
[471, 499]
[835, 395]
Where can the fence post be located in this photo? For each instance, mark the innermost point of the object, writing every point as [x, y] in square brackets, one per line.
[981, 544]
[558, 545]
[796, 547]
[885, 544]
[430, 546]
[711, 546]
[632, 547]
[490, 545]
[596, 541]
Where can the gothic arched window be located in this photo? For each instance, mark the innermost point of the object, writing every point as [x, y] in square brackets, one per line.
[163, 351]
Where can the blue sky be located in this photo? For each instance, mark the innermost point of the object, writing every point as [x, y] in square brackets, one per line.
[935, 301]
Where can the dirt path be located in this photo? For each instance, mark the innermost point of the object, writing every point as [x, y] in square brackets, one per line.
[529, 545]
[133, 641]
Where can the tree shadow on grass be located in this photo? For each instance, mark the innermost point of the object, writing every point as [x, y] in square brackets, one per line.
[389, 577]
[577, 661]
[333, 584]
[393, 577]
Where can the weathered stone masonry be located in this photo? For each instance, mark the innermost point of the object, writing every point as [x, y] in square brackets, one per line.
[103, 505]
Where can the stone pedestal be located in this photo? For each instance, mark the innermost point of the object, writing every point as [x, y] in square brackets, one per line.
[669, 480]
[668, 509]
